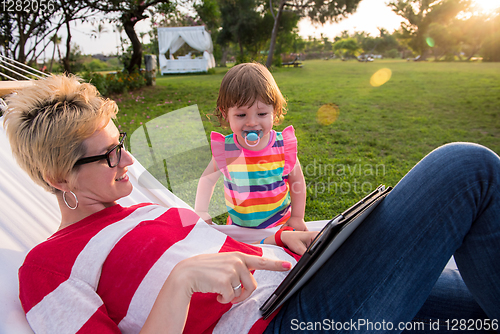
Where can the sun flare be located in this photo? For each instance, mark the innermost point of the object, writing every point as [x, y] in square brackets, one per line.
[488, 5]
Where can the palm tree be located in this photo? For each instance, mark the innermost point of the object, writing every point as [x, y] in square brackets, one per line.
[100, 29]
[119, 29]
[56, 40]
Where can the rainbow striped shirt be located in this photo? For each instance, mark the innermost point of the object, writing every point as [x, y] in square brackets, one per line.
[256, 185]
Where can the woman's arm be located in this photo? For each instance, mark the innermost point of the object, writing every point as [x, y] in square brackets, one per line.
[170, 309]
[298, 197]
[205, 190]
[209, 273]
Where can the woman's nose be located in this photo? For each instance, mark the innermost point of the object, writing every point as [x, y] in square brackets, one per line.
[126, 159]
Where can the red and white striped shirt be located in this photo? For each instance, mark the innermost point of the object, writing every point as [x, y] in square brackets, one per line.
[103, 273]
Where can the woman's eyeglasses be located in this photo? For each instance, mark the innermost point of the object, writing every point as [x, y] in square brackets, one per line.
[113, 156]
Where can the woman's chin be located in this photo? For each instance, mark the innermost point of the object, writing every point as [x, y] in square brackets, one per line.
[129, 189]
[125, 189]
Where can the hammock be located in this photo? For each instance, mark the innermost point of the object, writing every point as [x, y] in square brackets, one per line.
[29, 215]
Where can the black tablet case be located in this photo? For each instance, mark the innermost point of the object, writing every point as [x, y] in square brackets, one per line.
[335, 232]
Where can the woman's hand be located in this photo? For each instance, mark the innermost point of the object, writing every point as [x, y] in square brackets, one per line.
[216, 273]
[221, 273]
[297, 241]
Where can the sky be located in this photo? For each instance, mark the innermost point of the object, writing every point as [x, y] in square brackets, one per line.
[370, 15]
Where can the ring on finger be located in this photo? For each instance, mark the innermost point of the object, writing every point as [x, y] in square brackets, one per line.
[236, 288]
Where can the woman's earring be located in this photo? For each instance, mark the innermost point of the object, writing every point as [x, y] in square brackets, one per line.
[66, 202]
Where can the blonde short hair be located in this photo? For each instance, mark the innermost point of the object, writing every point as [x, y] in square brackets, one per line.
[47, 123]
[245, 83]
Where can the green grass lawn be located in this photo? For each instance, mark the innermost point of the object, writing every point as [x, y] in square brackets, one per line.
[380, 132]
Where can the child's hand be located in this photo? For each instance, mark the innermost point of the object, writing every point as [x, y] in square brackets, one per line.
[297, 223]
[205, 216]
[298, 242]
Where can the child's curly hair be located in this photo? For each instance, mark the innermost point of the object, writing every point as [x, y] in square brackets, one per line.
[243, 85]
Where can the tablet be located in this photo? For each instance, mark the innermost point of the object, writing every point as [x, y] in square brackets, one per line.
[328, 240]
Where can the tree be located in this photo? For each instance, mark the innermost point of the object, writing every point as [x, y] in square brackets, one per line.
[6, 32]
[209, 13]
[444, 40]
[419, 14]
[25, 34]
[242, 24]
[318, 11]
[98, 31]
[288, 40]
[349, 47]
[71, 11]
[386, 42]
[118, 28]
[130, 12]
[490, 49]
[56, 40]
[368, 44]
[473, 32]
[18, 27]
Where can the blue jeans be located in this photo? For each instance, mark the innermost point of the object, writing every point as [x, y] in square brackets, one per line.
[383, 275]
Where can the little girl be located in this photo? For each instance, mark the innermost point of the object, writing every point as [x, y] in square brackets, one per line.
[263, 181]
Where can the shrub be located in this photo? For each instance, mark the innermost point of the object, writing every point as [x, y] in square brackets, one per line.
[393, 53]
[115, 82]
[97, 80]
[96, 65]
[133, 81]
[242, 59]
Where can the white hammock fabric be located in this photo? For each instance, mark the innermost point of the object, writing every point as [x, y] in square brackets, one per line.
[29, 215]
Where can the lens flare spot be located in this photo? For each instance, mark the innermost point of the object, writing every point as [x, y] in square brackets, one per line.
[430, 41]
[327, 114]
[380, 77]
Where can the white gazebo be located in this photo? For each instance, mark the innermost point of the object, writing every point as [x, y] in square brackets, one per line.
[172, 38]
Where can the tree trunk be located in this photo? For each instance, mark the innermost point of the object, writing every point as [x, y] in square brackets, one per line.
[59, 53]
[274, 34]
[424, 55]
[52, 59]
[242, 54]
[473, 52]
[66, 63]
[135, 61]
[223, 59]
[21, 56]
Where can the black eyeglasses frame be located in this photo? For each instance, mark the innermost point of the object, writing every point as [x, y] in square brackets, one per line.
[95, 158]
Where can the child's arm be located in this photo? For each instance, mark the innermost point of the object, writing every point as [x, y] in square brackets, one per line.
[298, 196]
[205, 190]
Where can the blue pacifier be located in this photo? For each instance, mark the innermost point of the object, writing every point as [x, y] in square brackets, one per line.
[252, 135]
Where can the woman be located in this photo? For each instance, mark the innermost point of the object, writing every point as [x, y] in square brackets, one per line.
[151, 269]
